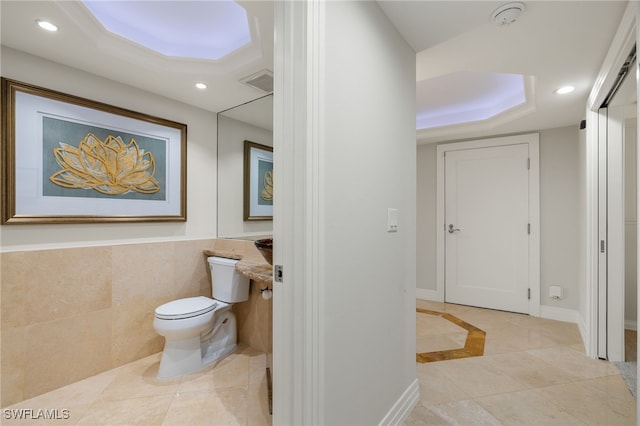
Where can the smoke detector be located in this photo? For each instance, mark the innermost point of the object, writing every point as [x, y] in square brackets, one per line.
[507, 13]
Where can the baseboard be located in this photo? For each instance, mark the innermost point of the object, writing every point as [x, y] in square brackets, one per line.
[560, 314]
[424, 294]
[582, 327]
[630, 325]
[403, 407]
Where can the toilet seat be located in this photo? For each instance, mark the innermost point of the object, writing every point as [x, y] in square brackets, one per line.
[186, 308]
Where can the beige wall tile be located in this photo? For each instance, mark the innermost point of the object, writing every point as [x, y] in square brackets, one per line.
[192, 276]
[66, 350]
[90, 309]
[12, 365]
[143, 271]
[133, 335]
[12, 281]
[66, 282]
[254, 320]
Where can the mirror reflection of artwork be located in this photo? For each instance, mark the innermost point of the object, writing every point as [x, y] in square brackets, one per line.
[251, 121]
[258, 181]
[79, 163]
[266, 183]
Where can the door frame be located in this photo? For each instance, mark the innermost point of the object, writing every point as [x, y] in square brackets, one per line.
[532, 140]
[621, 45]
[298, 105]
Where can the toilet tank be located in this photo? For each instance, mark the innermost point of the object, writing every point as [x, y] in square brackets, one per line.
[227, 284]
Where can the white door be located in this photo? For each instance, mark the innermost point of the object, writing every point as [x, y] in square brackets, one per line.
[612, 221]
[487, 227]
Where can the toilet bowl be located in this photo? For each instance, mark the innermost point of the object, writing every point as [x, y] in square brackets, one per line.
[199, 330]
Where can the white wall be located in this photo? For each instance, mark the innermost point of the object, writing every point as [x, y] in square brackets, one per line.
[631, 224]
[231, 136]
[583, 252]
[559, 213]
[368, 165]
[201, 159]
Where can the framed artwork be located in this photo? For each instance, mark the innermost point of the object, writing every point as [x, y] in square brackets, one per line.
[258, 181]
[67, 159]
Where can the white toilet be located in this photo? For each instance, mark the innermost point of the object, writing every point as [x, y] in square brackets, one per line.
[198, 330]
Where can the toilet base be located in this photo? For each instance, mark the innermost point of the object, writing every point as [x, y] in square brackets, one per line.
[186, 356]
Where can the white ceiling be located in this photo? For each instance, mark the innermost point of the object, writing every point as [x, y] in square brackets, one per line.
[83, 43]
[553, 43]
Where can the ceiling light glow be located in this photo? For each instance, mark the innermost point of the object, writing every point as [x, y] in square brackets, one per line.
[201, 86]
[46, 25]
[564, 90]
[465, 97]
[182, 29]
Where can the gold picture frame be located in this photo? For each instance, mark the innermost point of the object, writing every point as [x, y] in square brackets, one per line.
[258, 181]
[67, 159]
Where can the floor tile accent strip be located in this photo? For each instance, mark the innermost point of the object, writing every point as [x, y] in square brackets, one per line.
[473, 346]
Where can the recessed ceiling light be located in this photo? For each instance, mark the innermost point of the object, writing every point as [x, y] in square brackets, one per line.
[46, 25]
[201, 86]
[565, 89]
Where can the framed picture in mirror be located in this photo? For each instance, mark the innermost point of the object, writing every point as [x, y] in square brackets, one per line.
[258, 181]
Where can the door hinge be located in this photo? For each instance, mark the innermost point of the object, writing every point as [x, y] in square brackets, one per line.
[528, 294]
[277, 273]
[528, 163]
[528, 228]
[601, 246]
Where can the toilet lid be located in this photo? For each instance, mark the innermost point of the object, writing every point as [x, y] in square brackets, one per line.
[186, 308]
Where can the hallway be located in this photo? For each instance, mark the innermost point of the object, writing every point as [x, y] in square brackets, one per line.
[533, 372]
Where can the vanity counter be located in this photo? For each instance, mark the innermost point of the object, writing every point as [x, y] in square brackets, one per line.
[259, 272]
[228, 254]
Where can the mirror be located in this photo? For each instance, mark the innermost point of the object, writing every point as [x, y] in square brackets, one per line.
[252, 121]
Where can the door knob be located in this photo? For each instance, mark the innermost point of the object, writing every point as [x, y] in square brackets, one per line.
[452, 229]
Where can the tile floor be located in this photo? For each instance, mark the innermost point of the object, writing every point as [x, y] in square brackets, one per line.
[630, 345]
[233, 392]
[533, 372]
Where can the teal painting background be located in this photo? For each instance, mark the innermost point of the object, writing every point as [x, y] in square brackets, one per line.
[263, 167]
[55, 130]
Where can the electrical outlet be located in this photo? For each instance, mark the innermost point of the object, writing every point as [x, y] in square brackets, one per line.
[392, 220]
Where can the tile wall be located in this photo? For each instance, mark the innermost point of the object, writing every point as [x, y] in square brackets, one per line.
[68, 314]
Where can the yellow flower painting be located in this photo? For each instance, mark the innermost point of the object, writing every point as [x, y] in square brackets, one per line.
[110, 167]
[267, 191]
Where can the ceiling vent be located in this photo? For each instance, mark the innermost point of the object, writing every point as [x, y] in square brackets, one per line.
[507, 13]
[262, 80]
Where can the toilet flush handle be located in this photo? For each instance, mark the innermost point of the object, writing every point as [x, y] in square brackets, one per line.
[452, 229]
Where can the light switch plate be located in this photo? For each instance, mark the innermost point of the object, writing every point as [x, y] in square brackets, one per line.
[392, 220]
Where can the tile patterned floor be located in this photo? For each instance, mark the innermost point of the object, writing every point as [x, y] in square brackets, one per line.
[534, 372]
[233, 392]
[473, 345]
